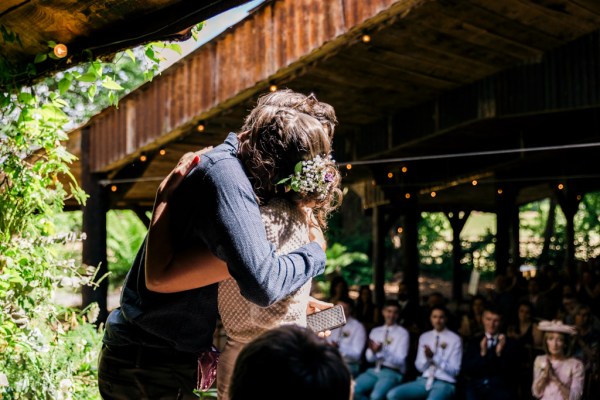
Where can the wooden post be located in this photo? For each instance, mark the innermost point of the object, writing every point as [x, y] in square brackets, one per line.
[514, 221]
[569, 203]
[94, 226]
[457, 222]
[378, 255]
[505, 205]
[411, 264]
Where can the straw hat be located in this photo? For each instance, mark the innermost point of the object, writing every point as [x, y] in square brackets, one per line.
[556, 326]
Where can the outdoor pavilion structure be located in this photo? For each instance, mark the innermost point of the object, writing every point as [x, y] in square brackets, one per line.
[431, 95]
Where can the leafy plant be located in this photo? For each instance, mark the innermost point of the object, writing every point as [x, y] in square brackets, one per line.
[48, 352]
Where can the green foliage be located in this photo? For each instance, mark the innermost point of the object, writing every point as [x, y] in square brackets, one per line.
[348, 253]
[48, 352]
[125, 233]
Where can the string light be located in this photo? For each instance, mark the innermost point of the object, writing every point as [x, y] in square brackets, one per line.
[407, 196]
[143, 158]
[366, 38]
[474, 183]
[433, 194]
[273, 87]
[201, 127]
[404, 170]
[348, 166]
[113, 188]
[500, 191]
[561, 186]
[60, 50]
[390, 175]
[578, 197]
[400, 229]
[162, 152]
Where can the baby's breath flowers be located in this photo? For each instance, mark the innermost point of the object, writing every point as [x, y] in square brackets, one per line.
[311, 176]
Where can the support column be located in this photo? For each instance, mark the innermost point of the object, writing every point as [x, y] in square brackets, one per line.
[94, 226]
[515, 240]
[411, 264]
[378, 256]
[457, 222]
[505, 219]
[569, 203]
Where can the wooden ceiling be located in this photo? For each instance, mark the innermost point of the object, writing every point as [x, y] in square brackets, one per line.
[441, 77]
[100, 27]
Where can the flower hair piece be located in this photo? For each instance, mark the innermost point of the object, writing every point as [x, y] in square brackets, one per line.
[310, 176]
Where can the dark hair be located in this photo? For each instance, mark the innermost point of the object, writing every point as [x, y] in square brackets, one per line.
[441, 308]
[492, 309]
[309, 105]
[292, 363]
[391, 303]
[277, 138]
[335, 281]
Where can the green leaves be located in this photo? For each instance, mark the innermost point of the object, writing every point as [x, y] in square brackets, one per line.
[109, 83]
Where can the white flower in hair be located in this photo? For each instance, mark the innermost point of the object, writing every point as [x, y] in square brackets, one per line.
[310, 176]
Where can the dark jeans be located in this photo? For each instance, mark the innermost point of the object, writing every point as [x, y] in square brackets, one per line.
[135, 372]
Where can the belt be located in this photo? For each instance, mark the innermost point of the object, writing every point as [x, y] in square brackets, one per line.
[391, 368]
[150, 355]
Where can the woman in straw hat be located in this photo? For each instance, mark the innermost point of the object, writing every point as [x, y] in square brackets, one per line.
[556, 375]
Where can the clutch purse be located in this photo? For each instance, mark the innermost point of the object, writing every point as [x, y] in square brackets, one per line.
[327, 319]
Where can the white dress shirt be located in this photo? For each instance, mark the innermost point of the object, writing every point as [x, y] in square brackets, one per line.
[351, 339]
[447, 355]
[395, 346]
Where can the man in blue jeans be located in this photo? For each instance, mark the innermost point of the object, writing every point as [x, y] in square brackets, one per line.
[153, 342]
[387, 348]
[439, 358]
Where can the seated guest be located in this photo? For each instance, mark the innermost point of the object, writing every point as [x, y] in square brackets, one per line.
[587, 347]
[438, 358]
[409, 309]
[471, 323]
[290, 362]
[556, 375]
[387, 348]
[489, 362]
[366, 311]
[349, 339]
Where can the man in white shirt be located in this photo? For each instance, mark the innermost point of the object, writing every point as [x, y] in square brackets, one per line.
[349, 339]
[438, 358]
[387, 348]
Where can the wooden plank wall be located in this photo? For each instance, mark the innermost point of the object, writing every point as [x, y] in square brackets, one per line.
[281, 33]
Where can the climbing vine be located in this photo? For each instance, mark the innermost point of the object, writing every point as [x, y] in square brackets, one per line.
[49, 351]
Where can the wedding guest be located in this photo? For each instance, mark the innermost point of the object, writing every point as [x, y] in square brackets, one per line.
[489, 361]
[387, 348]
[366, 311]
[409, 309]
[290, 363]
[471, 323]
[349, 339]
[338, 289]
[438, 359]
[556, 375]
[527, 337]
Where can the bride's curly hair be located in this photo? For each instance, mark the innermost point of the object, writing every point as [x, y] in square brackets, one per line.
[274, 140]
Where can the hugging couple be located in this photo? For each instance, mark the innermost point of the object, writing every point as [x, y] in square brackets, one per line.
[236, 231]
